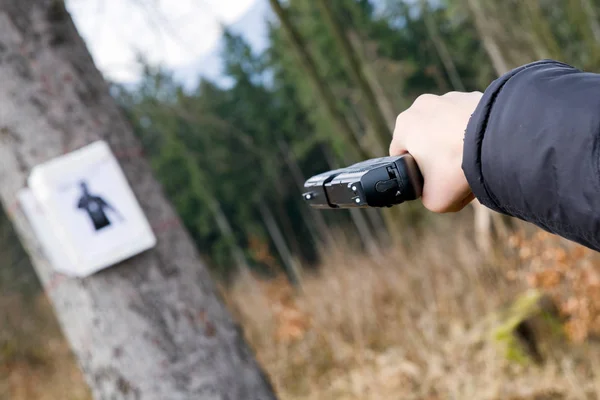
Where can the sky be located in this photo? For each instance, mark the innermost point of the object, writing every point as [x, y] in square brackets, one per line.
[173, 33]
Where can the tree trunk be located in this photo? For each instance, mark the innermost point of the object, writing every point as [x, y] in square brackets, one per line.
[359, 220]
[492, 48]
[374, 80]
[484, 217]
[152, 327]
[441, 48]
[324, 92]
[439, 78]
[291, 267]
[364, 231]
[545, 42]
[377, 221]
[287, 226]
[315, 216]
[284, 220]
[227, 232]
[592, 15]
[198, 183]
[582, 15]
[356, 68]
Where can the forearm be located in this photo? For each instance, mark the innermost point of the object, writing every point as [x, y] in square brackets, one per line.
[531, 149]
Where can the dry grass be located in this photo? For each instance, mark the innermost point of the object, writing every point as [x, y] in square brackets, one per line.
[414, 324]
[36, 363]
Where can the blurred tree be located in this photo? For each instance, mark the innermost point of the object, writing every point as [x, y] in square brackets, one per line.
[357, 70]
[441, 48]
[353, 146]
[152, 327]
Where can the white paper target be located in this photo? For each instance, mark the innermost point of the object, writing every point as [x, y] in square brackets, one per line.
[91, 209]
[51, 245]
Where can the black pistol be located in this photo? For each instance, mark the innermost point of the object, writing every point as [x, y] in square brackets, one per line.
[378, 182]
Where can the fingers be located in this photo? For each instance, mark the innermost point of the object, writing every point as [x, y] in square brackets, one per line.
[440, 195]
[397, 148]
[432, 131]
[398, 145]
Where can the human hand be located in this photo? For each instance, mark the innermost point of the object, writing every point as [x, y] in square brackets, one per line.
[432, 130]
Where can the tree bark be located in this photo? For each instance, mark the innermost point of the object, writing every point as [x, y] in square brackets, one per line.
[152, 327]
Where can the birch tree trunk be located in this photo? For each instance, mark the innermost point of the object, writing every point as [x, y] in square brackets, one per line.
[151, 327]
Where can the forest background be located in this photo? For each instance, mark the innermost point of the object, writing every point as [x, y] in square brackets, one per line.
[362, 304]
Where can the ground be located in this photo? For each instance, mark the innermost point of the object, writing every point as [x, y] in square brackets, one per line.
[429, 322]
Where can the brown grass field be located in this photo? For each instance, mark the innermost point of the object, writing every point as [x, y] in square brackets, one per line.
[431, 321]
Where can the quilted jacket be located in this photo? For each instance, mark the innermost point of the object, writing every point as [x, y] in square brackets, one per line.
[531, 149]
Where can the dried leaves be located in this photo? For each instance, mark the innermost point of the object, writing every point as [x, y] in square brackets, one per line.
[567, 271]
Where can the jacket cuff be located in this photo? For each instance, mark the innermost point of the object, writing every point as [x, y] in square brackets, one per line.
[475, 133]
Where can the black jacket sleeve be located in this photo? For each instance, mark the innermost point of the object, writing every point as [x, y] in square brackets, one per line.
[531, 149]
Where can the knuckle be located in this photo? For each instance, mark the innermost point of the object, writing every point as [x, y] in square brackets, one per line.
[434, 206]
[424, 99]
[399, 120]
[394, 146]
[402, 124]
[452, 93]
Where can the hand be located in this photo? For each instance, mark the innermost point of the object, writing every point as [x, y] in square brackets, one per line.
[432, 131]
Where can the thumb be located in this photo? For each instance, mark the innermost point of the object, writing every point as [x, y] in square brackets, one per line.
[397, 148]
